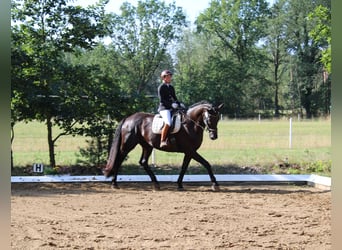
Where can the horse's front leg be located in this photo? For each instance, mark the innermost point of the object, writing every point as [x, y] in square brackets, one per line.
[197, 157]
[185, 164]
[144, 162]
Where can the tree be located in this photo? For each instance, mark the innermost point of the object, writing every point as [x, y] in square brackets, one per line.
[306, 69]
[321, 33]
[239, 25]
[141, 36]
[236, 27]
[106, 101]
[275, 46]
[19, 100]
[192, 56]
[43, 31]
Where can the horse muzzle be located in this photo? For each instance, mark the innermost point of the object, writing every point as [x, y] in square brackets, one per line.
[213, 135]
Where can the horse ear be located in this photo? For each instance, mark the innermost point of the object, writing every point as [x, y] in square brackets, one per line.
[220, 106]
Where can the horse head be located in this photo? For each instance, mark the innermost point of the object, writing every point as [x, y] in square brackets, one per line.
[208, 115]
[210, 118]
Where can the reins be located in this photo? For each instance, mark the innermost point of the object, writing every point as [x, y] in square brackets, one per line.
[197, 123]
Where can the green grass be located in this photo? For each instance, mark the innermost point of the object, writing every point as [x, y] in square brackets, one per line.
[263, 144]
[30, 145]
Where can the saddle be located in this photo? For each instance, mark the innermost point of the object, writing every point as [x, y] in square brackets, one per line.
[158, 123]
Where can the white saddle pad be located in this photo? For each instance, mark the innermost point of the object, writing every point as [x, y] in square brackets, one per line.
[158, 124]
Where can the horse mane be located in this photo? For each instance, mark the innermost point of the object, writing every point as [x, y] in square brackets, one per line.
[203, 102]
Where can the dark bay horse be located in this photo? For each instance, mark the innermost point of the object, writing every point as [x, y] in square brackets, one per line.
[137, 129]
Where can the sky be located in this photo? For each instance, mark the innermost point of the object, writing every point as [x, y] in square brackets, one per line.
[192, 8]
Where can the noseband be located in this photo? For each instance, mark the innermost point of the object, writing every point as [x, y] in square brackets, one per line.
[206, 119]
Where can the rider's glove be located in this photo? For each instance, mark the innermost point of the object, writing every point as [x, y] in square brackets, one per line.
[174, 105]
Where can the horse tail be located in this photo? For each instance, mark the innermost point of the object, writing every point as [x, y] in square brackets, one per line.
[114, 150]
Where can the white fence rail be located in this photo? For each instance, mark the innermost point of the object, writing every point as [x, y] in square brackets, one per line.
[315, 180]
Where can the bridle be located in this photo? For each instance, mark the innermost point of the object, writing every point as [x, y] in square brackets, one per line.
[205, 120]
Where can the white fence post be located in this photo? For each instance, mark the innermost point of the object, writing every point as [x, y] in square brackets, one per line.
[290, 134]
[154, 157]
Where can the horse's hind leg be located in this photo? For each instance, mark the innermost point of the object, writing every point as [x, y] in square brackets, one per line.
[127, 146]
[144, 162]
[116, 170]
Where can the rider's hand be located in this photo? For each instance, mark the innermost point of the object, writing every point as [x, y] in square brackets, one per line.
[174, 105]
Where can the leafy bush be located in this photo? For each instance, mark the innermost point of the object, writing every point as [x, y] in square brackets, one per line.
[320, 167]
[50, 171]
[95, 154]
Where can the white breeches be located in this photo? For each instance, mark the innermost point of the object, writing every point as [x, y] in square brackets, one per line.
[166, 115]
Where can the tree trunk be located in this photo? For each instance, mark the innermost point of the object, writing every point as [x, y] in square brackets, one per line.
[276, 102]
[307, 102]
[51, 143]
[276, 83]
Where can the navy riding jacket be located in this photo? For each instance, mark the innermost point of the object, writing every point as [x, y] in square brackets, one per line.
[167, 96]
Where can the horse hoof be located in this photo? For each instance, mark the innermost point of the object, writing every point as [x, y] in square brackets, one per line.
[180, 189]
[115, 187]
[215, 188]
[156, 188]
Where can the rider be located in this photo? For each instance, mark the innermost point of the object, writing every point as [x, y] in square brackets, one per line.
[167, 102]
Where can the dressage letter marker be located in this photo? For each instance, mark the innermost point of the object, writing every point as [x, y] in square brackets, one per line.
[38, 168]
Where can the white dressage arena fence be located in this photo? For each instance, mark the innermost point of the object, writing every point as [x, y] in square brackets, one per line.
[312, 180]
